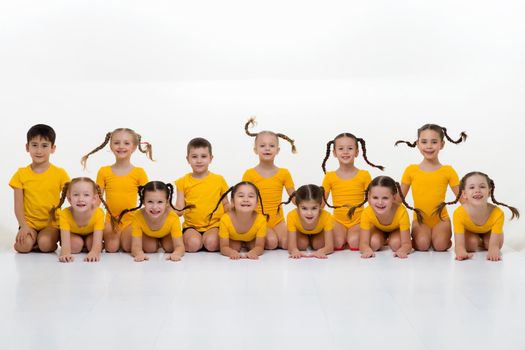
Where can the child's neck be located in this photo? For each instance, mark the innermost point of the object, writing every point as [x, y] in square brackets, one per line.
[40, 168]
[346, 170]
[266, 168]
[430, 164]
[479, 214]
[81, 218]
[200, 175]
[122, 166]
[266, 165]
[388, 217]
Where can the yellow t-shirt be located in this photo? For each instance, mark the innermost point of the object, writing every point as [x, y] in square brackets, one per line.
[121, 192]
[400, 220]
[347, 191]
[41, 193]
[324, 224]
[463, 222]
[429, 189]
[171, 226]
[227, 230]
[67, 222]
[204, 194]
[271, 189]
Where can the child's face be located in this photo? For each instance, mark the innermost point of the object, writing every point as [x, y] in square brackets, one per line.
[477, 190]
[199, 159]
[81, 196]
[123, 144]
[155, 203]
[245, 199]
[40, 149]
[381, 199]
[266, 146]
[345, 150]
[429, 144]
[309, 211]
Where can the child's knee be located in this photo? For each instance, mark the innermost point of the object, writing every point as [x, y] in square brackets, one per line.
[441, 244]
[211, 243]
[76, 245]
[271, 242]
[376, 243]
[193, 243]
[421, 243]
[25, 247]
[47, 244]
[112, 246]
[394, 243]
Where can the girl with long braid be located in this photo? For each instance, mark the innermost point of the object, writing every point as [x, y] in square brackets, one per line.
[429, 181]
[347, 186]
[270, 180]
[477, 223]
[120, 181]
[384, 219]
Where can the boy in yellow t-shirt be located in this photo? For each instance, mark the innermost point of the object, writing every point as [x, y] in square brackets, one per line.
[37, 189]
[203, 189]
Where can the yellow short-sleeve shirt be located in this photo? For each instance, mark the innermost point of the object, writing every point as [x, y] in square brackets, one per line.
[227, 230]
[171, 226]
[325, 223]
[400, 220]
[347, 191]
[67, 222]
[121, 192]
[429, 189]
[271, 189]
[463, 222]
[204, 194]
[41, 193]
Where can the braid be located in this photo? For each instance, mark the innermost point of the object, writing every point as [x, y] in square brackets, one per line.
[363, 146]
[170, 199]
[462, 136]
[250, 122]
[353, 208]
[114, 221]
[419, 215]
[267, 216]
[292, 142]
[515, 212]
[83, 160]
[219, 202]
[326, 201]
[292, 196]
[441, 207]
[52, 212]
[148, 151]
[409, 144]
[141, 201]
[328, 148]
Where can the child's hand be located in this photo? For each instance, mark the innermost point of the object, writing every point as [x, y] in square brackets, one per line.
[92, 257]
[319, 254]
[401, 253]
[139, 257]
[493, 254]
[252, 255]
[23, 233]
[367, 253]
[463, 255]
[235, 255]
[295, 254]
[174, 257]
[66, 258]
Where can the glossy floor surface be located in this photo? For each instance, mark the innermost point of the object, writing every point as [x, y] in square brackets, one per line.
[428, 301]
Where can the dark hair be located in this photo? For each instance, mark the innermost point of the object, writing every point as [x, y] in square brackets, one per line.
[357, 140]
[251, 122]
[462, 186]
[233, 190]
[65, 191]
[307, 193]
[44, 131]
[136, 140]
[198, 142]
[154, 186]
[442, 131]
[386, 181]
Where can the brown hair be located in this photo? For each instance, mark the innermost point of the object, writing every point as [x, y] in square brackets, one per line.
[251, 122]
[306, 193]
[442, 131]
[233, 190]
[198, 142]
[357, 140]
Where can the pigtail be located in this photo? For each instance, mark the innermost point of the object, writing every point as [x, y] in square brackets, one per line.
[83, 160]
[148, 151]
[515, 212]
[419, 214]
[363, 146]
[409, 144]
[352, 209]
[441, 207]
[462, 136]
[52, 212]
[141, 202]
[250, 122]
[328, 149]
[292, 142]
[292, 196]
[170, 199]
[114, 222]
[267, 216]
[326, 201]
[219, 202]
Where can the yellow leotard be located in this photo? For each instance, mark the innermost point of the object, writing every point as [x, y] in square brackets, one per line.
[121, 192]
[41, 193]
[324, 224]
[271, 189]
[204, 194]
[347, 191]
[429, 189]
[67, 222]
[227, 230]
[400, 220]
[463, 222]
[171, 226]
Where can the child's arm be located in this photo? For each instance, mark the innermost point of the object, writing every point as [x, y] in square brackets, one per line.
[364, 245]
[65, 244]
[292, 245]
[461, 251]
[226, 204]
[96, 248]
[406, 245]
[136, 249]
[24, 229]
[258, 250]
[495, 242]
[178, 249]
[328, 245]
[180, 203]
[226, 250]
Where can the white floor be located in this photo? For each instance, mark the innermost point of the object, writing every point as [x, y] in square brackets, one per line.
[428, 301]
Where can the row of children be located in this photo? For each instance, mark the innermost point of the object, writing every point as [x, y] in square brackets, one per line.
[252, 218]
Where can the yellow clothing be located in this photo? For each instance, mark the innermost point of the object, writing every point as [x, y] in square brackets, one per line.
[462, 222]
[121, 192]
[347, 191]
[324, 224]
[400, 220]
[227, 230]
[429, 189]
[271, 189]
[171, 226]
[41, 193]
[67, 222]
[204, 194]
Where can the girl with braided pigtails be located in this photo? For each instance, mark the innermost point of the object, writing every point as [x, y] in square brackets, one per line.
[384, 219]
[477, 223]
[429, 181]
[120, 181]
[347, 186]
[270, 180]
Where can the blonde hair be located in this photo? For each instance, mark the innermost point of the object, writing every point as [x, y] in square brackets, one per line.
[251, 122]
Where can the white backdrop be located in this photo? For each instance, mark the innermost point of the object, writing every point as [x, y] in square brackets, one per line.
[310, 69]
